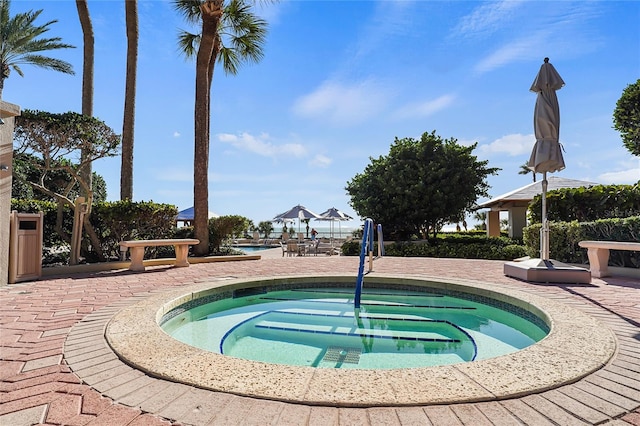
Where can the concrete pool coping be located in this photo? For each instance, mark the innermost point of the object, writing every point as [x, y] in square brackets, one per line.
[577, 345]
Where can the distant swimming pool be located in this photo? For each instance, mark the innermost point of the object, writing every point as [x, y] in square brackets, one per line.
[252, 249]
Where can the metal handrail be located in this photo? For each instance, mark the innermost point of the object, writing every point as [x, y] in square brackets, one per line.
[367, 247]
[380, 241]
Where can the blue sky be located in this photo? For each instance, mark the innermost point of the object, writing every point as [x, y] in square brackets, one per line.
[339, 81]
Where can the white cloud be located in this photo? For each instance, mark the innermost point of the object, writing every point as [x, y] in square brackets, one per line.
[261, 145]
[628, 176]
[486, 18]
[176, 134]
[564, 31]
[389, 20]
[425, 108]
[517, 50]
[343, 104]
[514, 144]
[321, 161]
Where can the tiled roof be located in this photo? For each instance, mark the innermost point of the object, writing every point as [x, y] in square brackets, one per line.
[527, 192]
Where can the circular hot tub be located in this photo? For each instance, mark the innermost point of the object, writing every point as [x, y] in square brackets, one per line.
[576, 345]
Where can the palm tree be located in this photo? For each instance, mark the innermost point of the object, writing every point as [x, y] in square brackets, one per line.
[482, 218]
[19, 44]
[525, 170]
[230, 34]
[126, 168]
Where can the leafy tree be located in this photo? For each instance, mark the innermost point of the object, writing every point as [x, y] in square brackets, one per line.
[20, 44]
[525, 170]
[420, 186]
[58, 141]
[222, 228]
[126, 167]
[240, 225]
[626, 117]
[231, 34]
[27, 170]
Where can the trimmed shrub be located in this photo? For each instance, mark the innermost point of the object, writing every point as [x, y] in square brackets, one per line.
[126, 220]
[450, 246]
[564, 238]
[563, 241]
[588, 204]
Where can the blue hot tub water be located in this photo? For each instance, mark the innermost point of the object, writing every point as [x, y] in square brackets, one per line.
[319, 327]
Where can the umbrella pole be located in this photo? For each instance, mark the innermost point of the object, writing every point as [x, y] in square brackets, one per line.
[544, 240]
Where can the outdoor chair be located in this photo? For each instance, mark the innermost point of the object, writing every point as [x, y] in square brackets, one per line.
[284, 248]
[314, 247]
[292, 248]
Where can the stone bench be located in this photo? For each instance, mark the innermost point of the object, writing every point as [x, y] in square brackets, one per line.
[181, 246]
[598, 253]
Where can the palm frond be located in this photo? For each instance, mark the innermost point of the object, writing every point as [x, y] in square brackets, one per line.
[229, 60]
[188, 43]
[47, 63]
[189, 9]
[242, 36]
[20, 39]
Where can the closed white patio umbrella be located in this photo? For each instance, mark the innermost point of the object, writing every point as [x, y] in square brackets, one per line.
[546, 157]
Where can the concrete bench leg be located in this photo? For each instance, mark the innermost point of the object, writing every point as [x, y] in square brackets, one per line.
[137, 254]
[598, 262]
[181, 255]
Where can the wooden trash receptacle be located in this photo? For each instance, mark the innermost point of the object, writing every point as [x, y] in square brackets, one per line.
[25, 246]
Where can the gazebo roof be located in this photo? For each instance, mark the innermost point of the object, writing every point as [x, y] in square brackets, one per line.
[526, 193]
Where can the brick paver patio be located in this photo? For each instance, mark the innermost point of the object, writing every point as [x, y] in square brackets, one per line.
[37, 386]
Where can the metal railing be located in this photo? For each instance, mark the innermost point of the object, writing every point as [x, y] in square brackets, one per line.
[367, 249]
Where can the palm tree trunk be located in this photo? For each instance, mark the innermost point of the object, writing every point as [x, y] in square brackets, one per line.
[86, 172]
[87, 64]
[87, 74]
[211, 13]
[126, 168]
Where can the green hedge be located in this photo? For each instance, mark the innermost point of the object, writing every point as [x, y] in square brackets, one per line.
[564, 238]
[450, 246]
[112, 221]
[563, 241]
[588, 204]
[126, 220]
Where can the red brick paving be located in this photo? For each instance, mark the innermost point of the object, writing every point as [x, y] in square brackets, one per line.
[35, 318]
